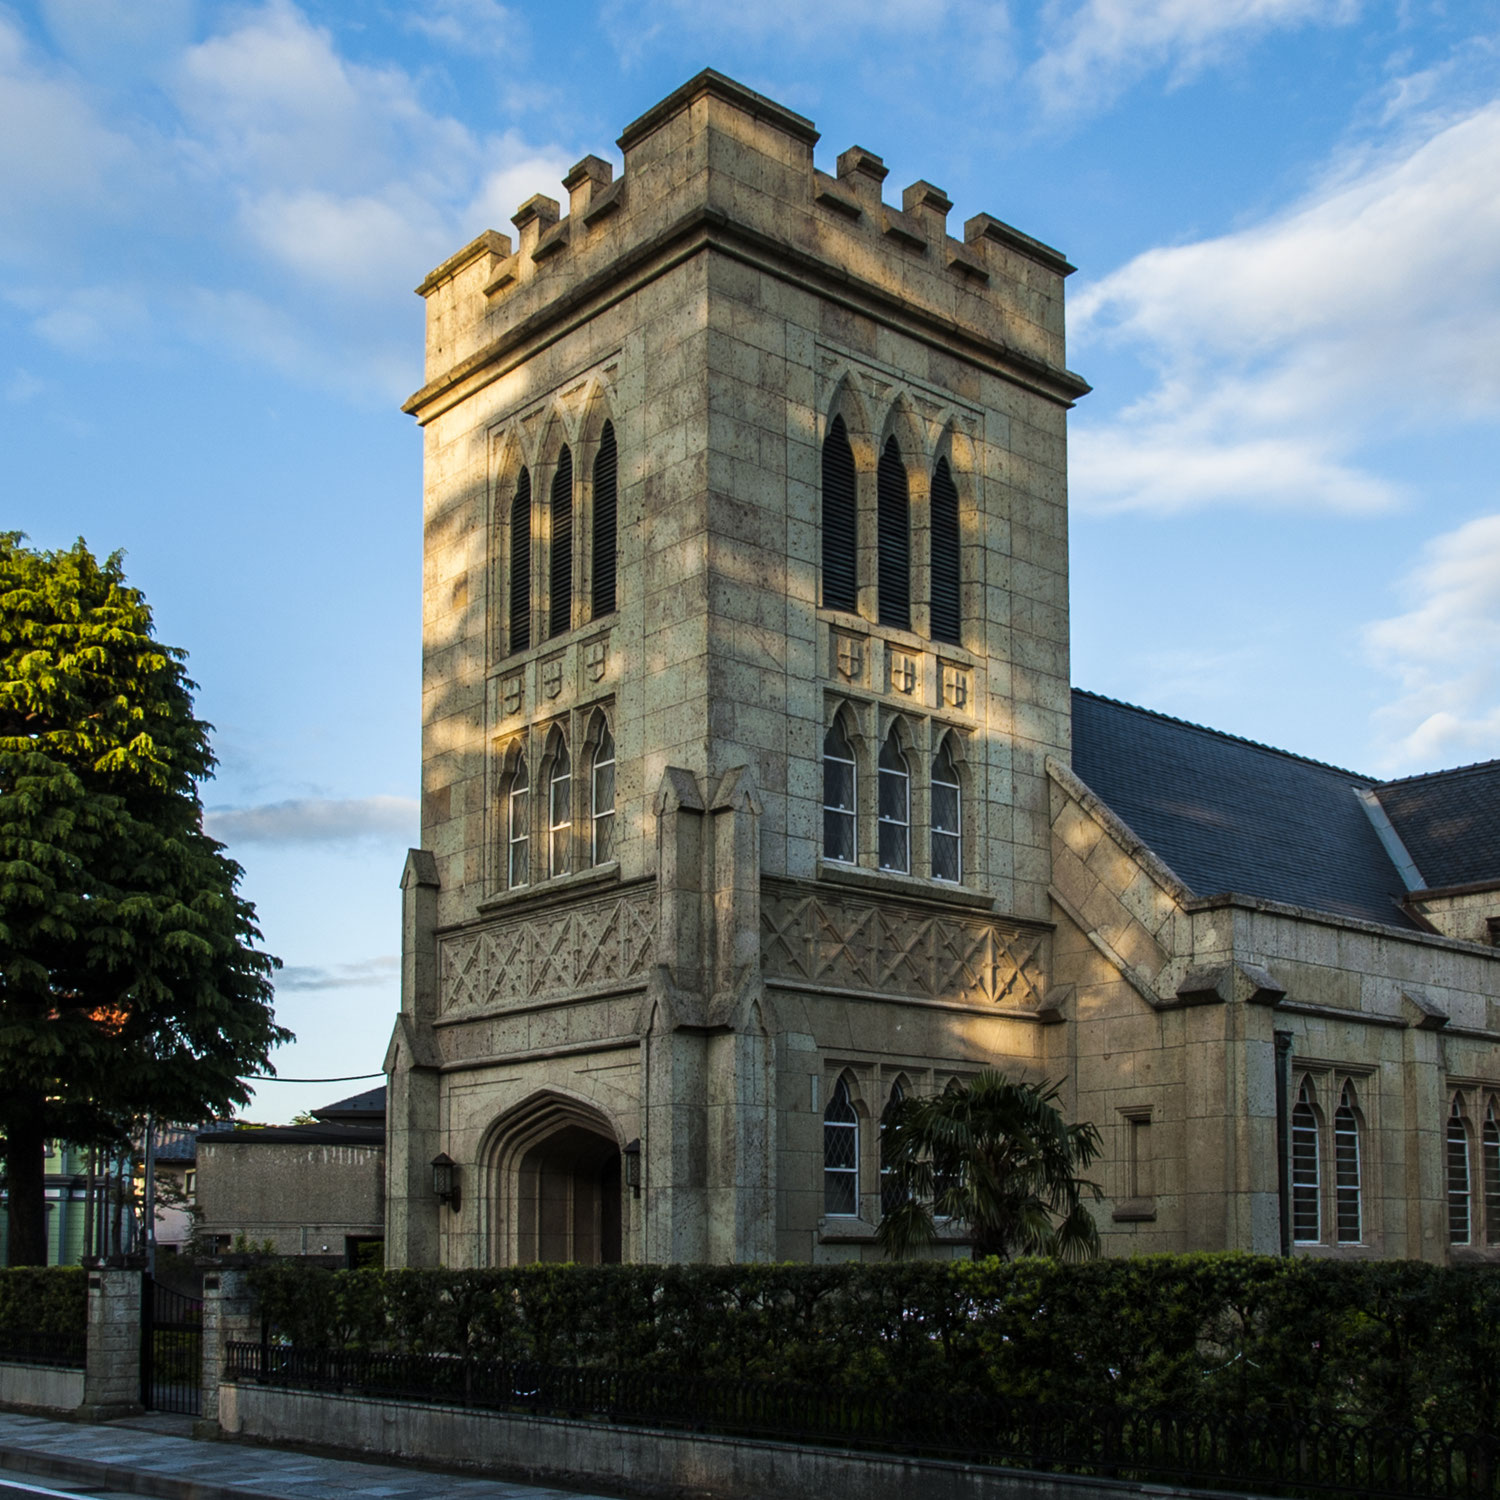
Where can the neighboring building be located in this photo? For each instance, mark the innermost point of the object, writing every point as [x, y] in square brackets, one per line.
[750, 788]
[175, 1163]
[309, 1190]
[66, 1188]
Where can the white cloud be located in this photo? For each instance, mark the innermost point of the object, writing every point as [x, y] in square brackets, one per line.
[481, 27]
[315, 820]
[368, 972]
[1104, 45]
[59, 161]
[1372, 305]
[1445, 652]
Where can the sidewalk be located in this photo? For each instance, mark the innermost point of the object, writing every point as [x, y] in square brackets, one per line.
[145, 1458]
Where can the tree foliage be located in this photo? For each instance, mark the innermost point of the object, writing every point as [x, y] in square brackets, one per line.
[130, 982]
[995, 1155]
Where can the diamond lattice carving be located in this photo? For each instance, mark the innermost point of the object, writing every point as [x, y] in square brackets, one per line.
[847, 943]
[596, 945]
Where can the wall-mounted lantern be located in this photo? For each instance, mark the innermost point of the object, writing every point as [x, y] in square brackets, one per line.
[445, 1180]
[632, 1155]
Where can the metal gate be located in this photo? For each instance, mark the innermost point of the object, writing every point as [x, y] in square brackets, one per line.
[171, 1349]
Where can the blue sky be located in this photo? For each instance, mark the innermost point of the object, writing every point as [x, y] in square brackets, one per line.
[1286, 520]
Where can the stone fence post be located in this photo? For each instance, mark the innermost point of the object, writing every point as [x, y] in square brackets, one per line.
[229, 1317]
[112, 1372]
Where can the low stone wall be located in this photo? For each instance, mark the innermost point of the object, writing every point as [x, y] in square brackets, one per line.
[44, 1388]
[644, 1460]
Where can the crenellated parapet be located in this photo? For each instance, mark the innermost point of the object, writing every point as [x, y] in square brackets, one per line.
[717, 166]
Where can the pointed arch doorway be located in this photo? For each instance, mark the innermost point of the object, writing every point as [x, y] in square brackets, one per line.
[557, 1180]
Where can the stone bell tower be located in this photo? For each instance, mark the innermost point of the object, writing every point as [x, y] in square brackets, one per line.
[745, 642]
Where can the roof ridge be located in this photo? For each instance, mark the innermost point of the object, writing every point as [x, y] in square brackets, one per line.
[1473, 765]
[1238, 739]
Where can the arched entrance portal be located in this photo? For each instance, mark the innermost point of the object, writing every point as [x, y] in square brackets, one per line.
[554, 1174]
[568, 1199]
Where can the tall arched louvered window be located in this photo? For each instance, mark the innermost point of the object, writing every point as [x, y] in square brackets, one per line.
[1347, 1170]
[840, 1153]
[1491, 1153]
[520, 563]
[947, 605]
[947, 815]
[557, 772]
[602, 797]
[606, 524]
[839, 779]
[893, 532]
[895, 807]
[560, 573]
[518, 826]
[1459, 1228]
[840, 539]
[1307, 1221]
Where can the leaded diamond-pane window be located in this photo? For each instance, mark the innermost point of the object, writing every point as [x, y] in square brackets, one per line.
[559, 807]
[1491, 1177]
[840, 1154]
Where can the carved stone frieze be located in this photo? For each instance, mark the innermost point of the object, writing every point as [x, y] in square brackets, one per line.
[854, 943]
[596, 945]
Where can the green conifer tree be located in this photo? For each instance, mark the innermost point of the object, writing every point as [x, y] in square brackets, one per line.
[130, 983]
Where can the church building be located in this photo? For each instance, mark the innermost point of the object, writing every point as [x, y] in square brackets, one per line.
[755, 792]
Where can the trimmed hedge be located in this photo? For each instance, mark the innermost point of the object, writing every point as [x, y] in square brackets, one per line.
[47, 1301]
[1398, 1342]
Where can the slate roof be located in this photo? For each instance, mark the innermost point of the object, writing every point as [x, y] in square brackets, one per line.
[1227, 814]
[367, 1108]
[1449, 822]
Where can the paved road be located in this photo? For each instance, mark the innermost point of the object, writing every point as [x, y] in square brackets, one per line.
[14, 1490]
[92, 1462]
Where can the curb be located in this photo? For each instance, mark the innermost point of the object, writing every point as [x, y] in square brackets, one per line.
[117, 1477]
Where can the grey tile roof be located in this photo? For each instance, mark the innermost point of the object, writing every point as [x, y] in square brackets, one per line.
[1449, 822]
[367, 1108]
[1227, 814]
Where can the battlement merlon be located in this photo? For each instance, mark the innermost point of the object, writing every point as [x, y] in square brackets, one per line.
[717, 167]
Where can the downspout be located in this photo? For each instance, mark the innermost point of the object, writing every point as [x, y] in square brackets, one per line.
[1283, 1137]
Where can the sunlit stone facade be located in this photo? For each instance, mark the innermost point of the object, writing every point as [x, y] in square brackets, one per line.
[746, 788]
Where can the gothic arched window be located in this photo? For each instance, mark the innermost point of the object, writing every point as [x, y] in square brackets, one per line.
[1346, 1169]
[518, 826]
[893, 532]
[1491, 1153]
[602, 798]
[520, 563]
[840, 539]
[559, 773]
[606, 524]
[839, 778]
[1307, 1222]
[1459, 1232]
[840, 1153]
[891, 1195]
[947, 604]
[947, 815]
[560, 571]
[895, 807]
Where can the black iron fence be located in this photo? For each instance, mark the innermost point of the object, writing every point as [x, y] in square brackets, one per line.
[23, 1347]
[1270, 1455]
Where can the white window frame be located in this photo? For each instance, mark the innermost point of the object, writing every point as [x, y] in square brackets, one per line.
[954, 834]
[559, 775]
[847, 816]
[841, 1103]
[606, 816]
[518, 828]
